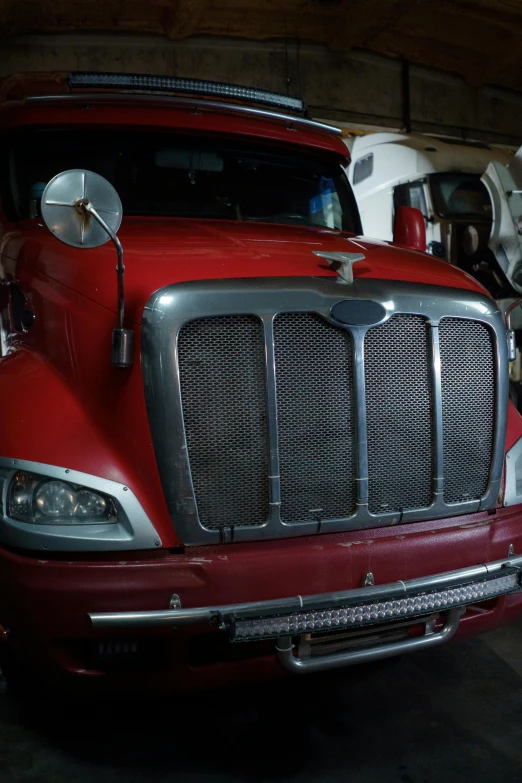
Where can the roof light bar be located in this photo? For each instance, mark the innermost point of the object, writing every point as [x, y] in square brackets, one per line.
[172, 84]
[374, 613]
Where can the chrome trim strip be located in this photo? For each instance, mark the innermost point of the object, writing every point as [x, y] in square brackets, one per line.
[225, 613]
[172, 306]
[134, 529]
[4, 335]
[438, 437]
[375, 653]
[501, 409]
[361, 436]
[273, 430]
[157, 100]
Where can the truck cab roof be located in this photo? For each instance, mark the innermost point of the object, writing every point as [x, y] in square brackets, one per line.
[416, 154]
[191, 103]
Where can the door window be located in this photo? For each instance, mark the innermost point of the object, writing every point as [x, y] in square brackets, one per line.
[410, 194]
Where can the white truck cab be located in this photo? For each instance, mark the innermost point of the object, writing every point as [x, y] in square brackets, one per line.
[504, 184]
[441, 179]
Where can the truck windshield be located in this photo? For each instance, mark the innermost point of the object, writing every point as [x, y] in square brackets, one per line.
[458, 194]
[166, 174]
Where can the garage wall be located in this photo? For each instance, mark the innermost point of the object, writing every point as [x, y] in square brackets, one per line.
[350, 87]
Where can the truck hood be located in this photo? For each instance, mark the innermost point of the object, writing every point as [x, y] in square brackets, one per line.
[504, 184]
[160, 252]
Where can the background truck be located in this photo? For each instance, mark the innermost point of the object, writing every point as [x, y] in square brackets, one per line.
[441, 179]
[265, 443]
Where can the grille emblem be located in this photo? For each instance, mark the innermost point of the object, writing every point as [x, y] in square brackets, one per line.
[342, 263]
[358, 312]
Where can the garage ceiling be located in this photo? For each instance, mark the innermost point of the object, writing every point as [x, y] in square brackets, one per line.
[476, 39]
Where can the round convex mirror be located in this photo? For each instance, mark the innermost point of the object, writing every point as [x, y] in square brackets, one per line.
[63, 209]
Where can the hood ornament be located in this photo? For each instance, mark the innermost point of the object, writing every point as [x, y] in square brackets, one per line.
[342, 263]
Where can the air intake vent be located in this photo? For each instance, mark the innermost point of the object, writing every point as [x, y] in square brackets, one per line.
[399, 415]
[316, 418]
[223, 391]
[468, 411]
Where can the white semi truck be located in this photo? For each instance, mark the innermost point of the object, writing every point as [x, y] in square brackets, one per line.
[443, 180]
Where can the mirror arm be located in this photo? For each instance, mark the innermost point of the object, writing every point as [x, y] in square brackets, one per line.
[120, 267]
[122, 339]
[512, 347]
[509, 309]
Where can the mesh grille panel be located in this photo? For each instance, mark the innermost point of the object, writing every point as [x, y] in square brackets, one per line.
[316, 419]
[468, 407]
[223, 385]
[399, 415]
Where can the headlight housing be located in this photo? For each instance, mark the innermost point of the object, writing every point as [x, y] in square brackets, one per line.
[44, 501]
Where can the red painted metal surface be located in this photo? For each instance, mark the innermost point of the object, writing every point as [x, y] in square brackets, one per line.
[68, 406]
[202, 250]
[135, 115]
[47, 601]
[76, 414]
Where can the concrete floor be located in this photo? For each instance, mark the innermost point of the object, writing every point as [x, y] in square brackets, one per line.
[453, 714]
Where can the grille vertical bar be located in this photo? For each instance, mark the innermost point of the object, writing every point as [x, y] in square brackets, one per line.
[361, 433]
[399, 415]
[438, 424]
[273, 428]
[468, 407]
[223, 391]
[316, 418]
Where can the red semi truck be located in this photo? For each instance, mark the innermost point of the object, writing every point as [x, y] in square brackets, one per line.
[264, 443]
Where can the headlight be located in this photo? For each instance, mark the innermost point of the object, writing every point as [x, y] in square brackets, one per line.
[44, 501]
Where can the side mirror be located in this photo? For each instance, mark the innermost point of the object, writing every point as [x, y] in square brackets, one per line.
[71, 203]
[410, 228]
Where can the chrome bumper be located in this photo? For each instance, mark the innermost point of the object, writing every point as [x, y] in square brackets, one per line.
[418, 600]
[302, 665]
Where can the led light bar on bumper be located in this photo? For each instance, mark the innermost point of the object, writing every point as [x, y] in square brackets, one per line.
[364, 614]
[171, 84]
[288, 620]
[446, 590]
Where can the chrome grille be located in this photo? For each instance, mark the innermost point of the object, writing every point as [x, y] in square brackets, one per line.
[316, 418]
[223, 392]
[468, 386]
[398, 415]
[271, 419]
